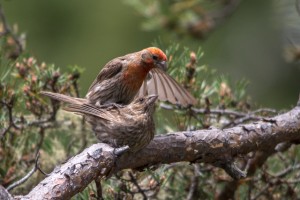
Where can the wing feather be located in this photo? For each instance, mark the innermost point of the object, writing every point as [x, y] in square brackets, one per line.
[184, 97]
[108, 71]
[166, 88]
[170, 91]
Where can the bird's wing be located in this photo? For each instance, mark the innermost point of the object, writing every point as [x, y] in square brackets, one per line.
[167, 89]
[108, 71]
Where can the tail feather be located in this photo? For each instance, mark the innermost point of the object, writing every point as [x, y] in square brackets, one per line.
[64, 98]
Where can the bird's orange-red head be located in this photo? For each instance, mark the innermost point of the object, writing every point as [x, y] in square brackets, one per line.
[155, 57]
[157, 52]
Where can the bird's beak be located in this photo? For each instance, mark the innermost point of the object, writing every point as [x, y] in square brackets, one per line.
[151, 99]
[162, 65]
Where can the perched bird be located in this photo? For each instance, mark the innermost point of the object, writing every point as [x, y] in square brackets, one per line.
[120, 80]
[131, 125]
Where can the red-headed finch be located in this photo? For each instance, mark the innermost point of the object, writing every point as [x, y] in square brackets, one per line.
[137, 74]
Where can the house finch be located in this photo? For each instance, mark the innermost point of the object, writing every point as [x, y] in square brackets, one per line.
[121, 79]
[131, 125]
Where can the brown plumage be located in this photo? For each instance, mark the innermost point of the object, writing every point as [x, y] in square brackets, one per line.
[131, 125]
[121, 79]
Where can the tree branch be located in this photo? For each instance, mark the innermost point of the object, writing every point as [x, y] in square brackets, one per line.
[208, 146]
[211, 146]
[72, 177]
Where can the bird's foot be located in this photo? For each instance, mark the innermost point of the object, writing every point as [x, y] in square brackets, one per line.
[117, 152]
[121, 150]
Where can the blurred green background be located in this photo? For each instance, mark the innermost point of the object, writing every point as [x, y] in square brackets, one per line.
[248, 45]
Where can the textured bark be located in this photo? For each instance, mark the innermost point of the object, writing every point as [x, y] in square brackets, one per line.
[72, 177]
[4, 194]
[213, 146]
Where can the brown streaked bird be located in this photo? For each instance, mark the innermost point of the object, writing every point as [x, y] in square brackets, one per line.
[131, 125]
[120, 80]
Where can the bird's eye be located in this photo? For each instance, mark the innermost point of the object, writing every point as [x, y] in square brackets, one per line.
[154, 57]
[141, 100]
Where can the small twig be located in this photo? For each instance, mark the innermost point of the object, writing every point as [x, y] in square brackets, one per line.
[40, 143]
[298, 6]
[231, 168]
[4, 131]
[40, 122]
[4, 22]
[44, 173]
[7, 31]
[9, 107]
[98, 188]
[263, 190]
[211, 111]
[152, 187]
[242, 120]
[83, 135]
[134, 181]
[283, 159]
[194, 184]
[285, 171]
[37, 164]
[249, 116]
[269, 110]
[193, 114]
[294, 181]
[241, 116]
[222, 111]
[15, 184]
[226, 11]
[210, 20]
[27, 176]
[76, 85]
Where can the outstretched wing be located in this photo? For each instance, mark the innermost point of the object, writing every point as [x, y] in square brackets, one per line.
[167, 89]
